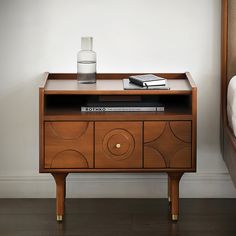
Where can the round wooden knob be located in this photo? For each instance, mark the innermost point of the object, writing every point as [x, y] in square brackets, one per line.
[118, 145]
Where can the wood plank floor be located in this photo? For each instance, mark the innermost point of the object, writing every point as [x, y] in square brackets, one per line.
[116, 217]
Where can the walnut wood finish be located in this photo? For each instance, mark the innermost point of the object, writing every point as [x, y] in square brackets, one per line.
[71, 115]
[126, 142]
[111, 87]
[167, 144]
[60, 179]
[41, 119]
[68, 145]
[169, 189]
[118, 145]
[228, 69]
[108, 76]
[174, 179]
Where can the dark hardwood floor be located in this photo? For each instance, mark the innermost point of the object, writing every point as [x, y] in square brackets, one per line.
[117, 217]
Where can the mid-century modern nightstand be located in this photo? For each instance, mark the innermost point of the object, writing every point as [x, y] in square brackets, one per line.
[72, 141]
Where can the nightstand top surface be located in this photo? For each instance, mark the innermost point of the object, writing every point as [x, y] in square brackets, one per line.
[57, 84]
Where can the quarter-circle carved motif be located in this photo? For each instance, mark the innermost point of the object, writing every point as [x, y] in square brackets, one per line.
[173, 144]
[69, 130]
[69, 159]
[153, 130]
[153, 158]
[183, 131]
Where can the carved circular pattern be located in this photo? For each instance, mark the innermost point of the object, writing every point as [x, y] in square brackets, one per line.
[118, 144]
[69, 159]
[69, 130]
[183, 131]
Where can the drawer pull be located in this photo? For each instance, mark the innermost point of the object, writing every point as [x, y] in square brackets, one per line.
[118, 145]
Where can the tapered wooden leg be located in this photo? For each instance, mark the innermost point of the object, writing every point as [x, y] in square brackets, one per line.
[169, 189]
[65, 188]
[174, 189]
[60, 179]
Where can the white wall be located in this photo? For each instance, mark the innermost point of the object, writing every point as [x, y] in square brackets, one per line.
[129, 36]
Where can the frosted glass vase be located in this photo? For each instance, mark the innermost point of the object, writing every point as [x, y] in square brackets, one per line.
[86, 62]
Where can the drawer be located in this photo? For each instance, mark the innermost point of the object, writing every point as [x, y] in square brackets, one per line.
[68, 145]
[167, 144]
[118, 145]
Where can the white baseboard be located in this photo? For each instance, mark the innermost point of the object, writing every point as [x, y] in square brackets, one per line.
[196, 185]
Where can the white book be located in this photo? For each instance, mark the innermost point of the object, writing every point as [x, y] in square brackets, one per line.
[115, 109]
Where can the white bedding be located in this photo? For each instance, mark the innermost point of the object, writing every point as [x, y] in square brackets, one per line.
[231, 104]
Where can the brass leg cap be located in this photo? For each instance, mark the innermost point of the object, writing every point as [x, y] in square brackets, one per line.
[175, 217]
[59, 218]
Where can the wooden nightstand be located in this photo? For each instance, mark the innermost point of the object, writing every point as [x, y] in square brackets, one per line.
[72, 141]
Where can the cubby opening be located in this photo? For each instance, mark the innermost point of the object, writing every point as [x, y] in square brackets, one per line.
[71, 104]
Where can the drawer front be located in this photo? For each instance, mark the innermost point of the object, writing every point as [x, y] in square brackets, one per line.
[167, 144]
[118, 145]
[68, 145]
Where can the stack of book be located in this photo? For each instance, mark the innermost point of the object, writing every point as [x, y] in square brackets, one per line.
[146, 104]
[146, 81]
[134, 82]
[128, 108]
